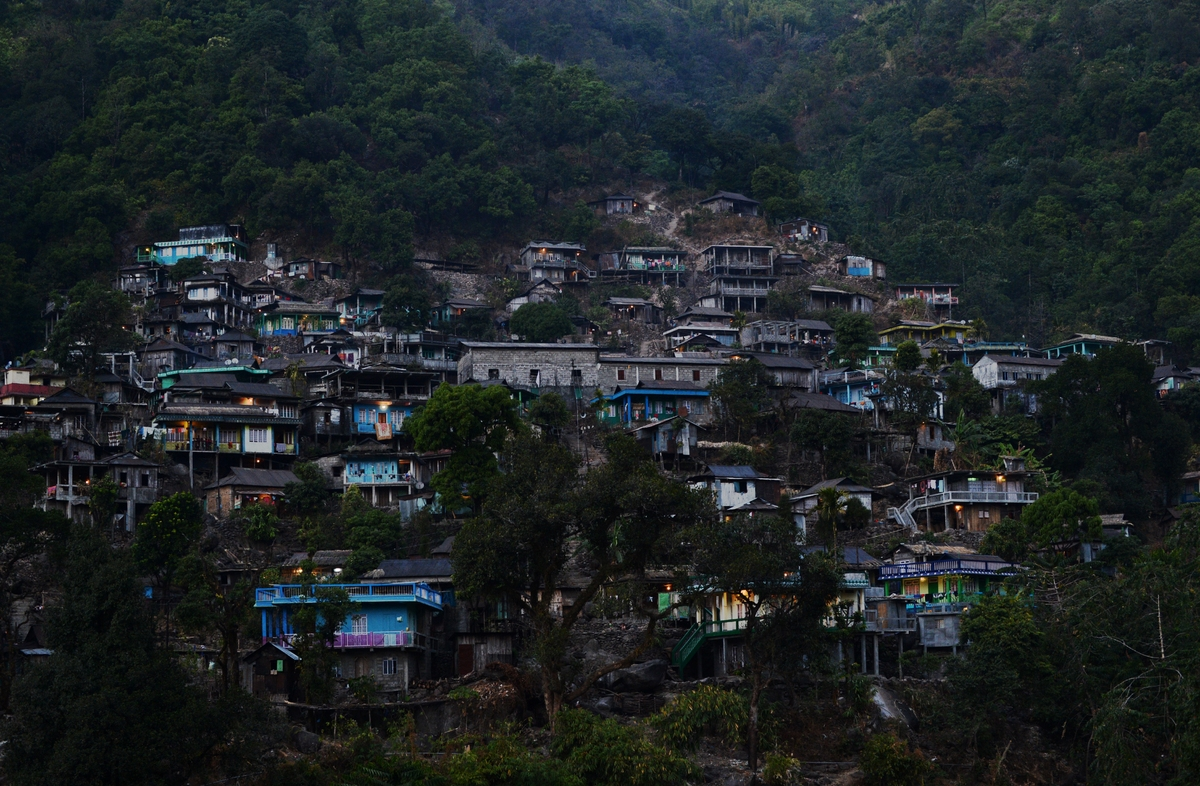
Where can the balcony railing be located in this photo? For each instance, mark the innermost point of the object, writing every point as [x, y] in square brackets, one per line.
[904, 514]
[942, 567]
[724, 627]
[390, 638]
[718, 289]
[873, 623]
[362, 593]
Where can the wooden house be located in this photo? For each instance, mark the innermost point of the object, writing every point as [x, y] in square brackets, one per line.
[540, 291]
[862, 267]
[730, 202]
[739, 488]
[823, 298]
[970, 500]
[614, 205]
[634, 309]
[272, 672]
[803, 230]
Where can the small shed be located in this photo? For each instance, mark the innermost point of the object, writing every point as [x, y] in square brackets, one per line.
[273, 672]
[614, 204]
[634, 309]
[803, 229]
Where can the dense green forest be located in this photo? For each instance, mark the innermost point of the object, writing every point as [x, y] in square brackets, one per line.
[1042, 153]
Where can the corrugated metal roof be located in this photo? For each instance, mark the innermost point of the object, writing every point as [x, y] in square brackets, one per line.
[733, 471]
[258, 478]
[411, 569]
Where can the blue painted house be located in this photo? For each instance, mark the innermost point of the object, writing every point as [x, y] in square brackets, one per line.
[368, 416]
[654, 400]
[385, 638]
[383, 480]
[852, 387]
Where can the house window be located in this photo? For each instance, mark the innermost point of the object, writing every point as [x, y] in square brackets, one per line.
[493, 373]
[576, 378]
[287, 323]
[366, 416]
[739, 486]
[389, 667]
[535, 377]
[145, 479]
[358, 624]
[696, 375]
[620, 375]
[258, 435]
[985, 514]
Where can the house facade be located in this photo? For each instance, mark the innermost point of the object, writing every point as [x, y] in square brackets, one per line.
[216, 243]
[730, 202]
[558, 367]
[804, 230]
[387, 638]
[1006, 378]
[971, 500]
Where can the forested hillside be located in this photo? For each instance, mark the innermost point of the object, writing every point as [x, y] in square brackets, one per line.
[1042, 153]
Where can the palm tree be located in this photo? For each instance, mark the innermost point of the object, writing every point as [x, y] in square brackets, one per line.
[831, 506]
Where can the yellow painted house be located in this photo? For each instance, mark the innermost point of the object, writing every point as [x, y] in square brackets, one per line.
[920, 332]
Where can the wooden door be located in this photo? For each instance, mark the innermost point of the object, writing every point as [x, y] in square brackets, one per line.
[466, 659]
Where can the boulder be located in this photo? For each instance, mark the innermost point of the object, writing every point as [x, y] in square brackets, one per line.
[640, 677]
[307, 742]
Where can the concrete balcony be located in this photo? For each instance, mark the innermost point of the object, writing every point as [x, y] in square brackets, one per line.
[906, 513]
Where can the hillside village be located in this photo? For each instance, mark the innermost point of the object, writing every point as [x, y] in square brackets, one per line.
[758, 362]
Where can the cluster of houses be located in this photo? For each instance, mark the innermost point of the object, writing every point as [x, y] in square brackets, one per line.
[236, 381]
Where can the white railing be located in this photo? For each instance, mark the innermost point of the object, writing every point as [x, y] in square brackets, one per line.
[904, 514]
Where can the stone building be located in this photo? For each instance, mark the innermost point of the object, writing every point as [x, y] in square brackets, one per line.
[538, 367]
[622, 371]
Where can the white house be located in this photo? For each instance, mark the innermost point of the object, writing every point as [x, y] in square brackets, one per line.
[1004, 376]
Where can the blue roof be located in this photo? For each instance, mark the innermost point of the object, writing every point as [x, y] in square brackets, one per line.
[733, 471]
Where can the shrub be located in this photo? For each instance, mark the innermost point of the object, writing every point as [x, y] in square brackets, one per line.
[778, 769]
[260, 523]
[887, 761]
[706, 710]
[603, 752]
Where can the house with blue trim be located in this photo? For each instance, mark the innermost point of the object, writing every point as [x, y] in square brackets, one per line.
[387, 637]
[654, 400]
[216, 243]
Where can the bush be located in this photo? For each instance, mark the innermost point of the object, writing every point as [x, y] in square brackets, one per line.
[603, 752]
[706, 710]
[260, 523]
[540, 322]
[778, 769]
[887, 761]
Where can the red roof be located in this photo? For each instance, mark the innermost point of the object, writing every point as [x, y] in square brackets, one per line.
[17, 389]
